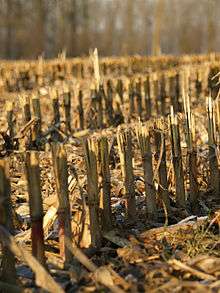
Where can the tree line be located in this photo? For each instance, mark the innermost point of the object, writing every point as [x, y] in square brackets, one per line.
[34, 27]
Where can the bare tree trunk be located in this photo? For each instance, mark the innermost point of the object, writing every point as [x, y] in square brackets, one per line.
[9, 28]
[129, 27]
[85, 40]
[73, 46]
[211, 33]
[39, 7]
[156, 42]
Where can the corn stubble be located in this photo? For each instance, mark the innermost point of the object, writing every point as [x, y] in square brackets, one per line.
[150, 162]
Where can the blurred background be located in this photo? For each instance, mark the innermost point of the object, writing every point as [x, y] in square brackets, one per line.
[29, 28]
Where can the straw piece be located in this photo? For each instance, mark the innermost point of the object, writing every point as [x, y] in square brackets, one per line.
[143, 137]
[8, 271]
[90, 150]
[61, 178]
[36, 205]
[125, 154]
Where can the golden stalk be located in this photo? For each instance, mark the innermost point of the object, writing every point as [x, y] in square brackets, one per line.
[161, 161]
[213, 161]
[177, 159]
[80, 110]
[8, 270]
[64, 213]
[37, 114]
[105, 183]
[125, 154]
[143, 137]
[67, 109]
[192, 155]
[36, 205]
[90, 150]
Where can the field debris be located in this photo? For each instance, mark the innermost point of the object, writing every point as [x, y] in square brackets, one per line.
[109, 177]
